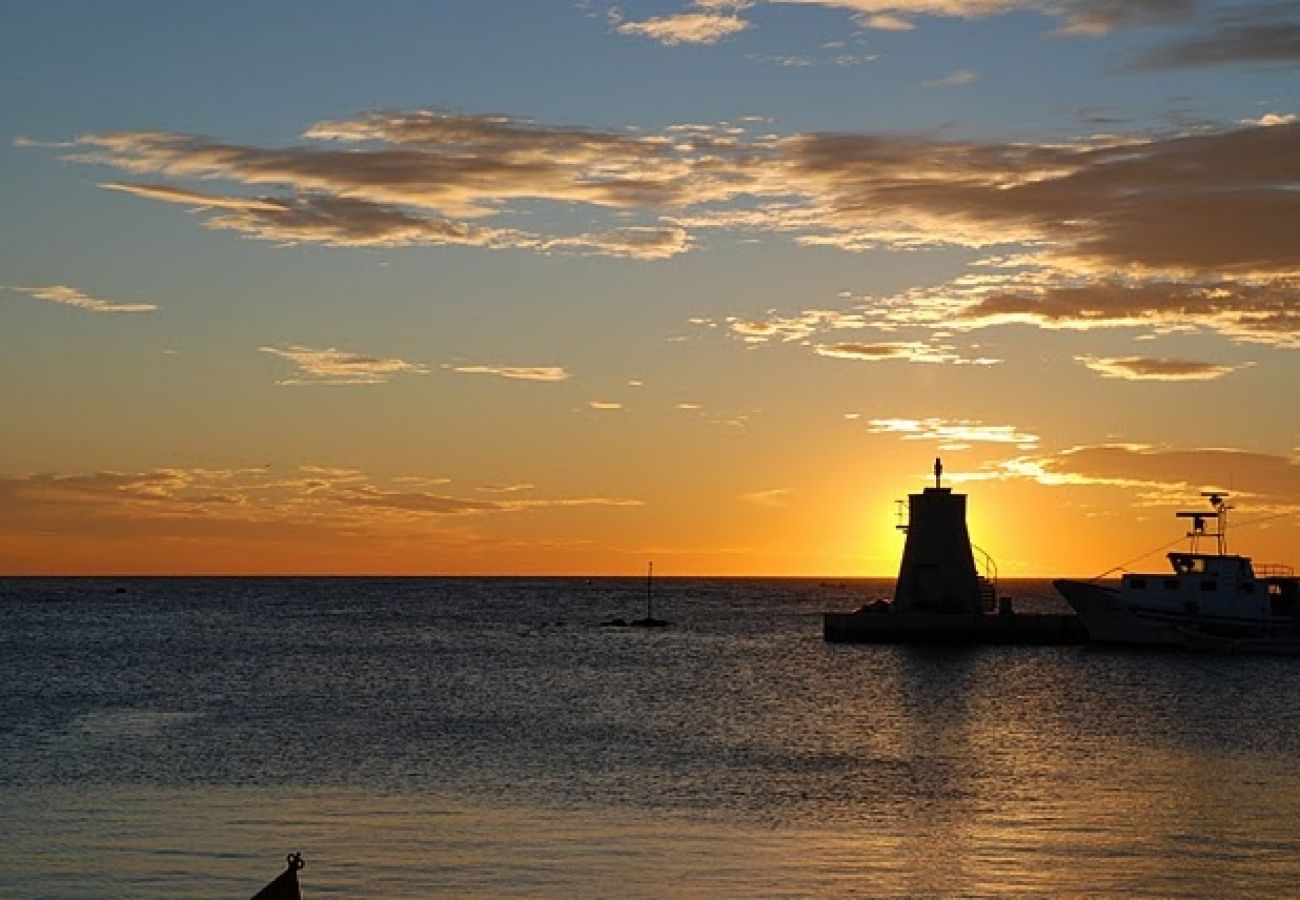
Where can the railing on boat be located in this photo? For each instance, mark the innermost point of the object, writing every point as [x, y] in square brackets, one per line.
[1273, 570]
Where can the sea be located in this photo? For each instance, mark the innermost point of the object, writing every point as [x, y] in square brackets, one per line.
[488, 737]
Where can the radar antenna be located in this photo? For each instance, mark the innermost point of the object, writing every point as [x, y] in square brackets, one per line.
[1219, 503]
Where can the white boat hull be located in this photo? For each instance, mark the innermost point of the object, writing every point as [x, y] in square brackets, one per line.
[1109, 617]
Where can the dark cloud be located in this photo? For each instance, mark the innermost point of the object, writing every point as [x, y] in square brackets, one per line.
[1267, 312]
[1175, 473]
[1260, 34]
[1147, 368]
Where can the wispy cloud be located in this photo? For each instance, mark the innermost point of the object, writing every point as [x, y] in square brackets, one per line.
[954, 433]
[909, 351]
[1259, 34]
[1192, 227]
[1078, 16]
[604, 404]
[959, 78]
[1260, 309]
[507, 488]
[775, 497]
[1144, 368]
[685, 28]
[70, 296]
[1163, 475]
[340, 367]
[521, 373]
[179, 501]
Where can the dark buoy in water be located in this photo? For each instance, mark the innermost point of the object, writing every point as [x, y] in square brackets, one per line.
[649, 621]
[285, 887]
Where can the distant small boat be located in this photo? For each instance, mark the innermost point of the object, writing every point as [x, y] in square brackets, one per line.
[1212, 601]
[285, 886]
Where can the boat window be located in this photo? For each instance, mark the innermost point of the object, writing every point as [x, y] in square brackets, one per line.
[1208, 584]
[1185, 564]
[1171, 584]
[1137, 583]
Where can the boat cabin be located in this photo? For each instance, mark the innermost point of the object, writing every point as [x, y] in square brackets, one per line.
[1211, 565]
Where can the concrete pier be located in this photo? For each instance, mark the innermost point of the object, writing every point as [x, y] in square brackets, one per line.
[889, 626]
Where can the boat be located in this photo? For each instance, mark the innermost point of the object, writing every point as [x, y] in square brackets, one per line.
[1210, 601]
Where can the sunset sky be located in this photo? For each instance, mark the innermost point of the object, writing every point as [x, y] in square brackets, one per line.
[564, 286]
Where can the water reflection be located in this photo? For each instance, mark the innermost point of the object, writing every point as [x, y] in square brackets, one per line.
[413, 738]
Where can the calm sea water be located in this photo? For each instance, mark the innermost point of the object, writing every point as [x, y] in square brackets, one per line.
[482, 737]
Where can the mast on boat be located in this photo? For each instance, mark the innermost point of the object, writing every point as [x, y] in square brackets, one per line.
[1219, 502]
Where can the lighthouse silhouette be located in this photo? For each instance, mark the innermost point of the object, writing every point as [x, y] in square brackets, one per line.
[937, 573]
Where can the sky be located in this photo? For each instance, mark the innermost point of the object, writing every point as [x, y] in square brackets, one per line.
[567, 286]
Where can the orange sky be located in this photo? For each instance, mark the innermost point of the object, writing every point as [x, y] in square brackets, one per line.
[708, 283]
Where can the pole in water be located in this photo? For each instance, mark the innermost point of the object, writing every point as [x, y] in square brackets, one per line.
[649, 586]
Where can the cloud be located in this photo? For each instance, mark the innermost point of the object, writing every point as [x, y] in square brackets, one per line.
[603, 404]
[686, 28]
[415, 501]
[506, 488]
[415, 178]
[1165, 475]
[635, 242]
[1078, 16]
[776, 497]
[959, 78]
[246, 502]
[785, 328]
[70, 296]
[909, 351]
[336, 367]
[1200, 203]
[887, 22]
[522, 373]
[197, 199]
[1140, 368]
[1144, 229]
[954, 434]
[332, 221]
[1260, 310]
[1267, 33]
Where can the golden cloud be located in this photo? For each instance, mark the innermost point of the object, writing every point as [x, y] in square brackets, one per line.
[520, 373]
[685, 28]
[70, 296]
[1139, 230]
[306, 496]
[1144, 368]
[340, 367]
[1163, 475]
[953, 433]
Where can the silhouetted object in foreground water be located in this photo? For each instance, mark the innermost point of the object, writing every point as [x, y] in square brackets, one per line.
[939, 596]
[1212, 601]
[649, 621]
[285, 885]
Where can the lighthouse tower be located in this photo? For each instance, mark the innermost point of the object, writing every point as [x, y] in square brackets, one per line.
[937, 574]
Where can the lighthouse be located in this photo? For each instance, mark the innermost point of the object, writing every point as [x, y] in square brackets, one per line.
[940, 597]
[937, 573]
